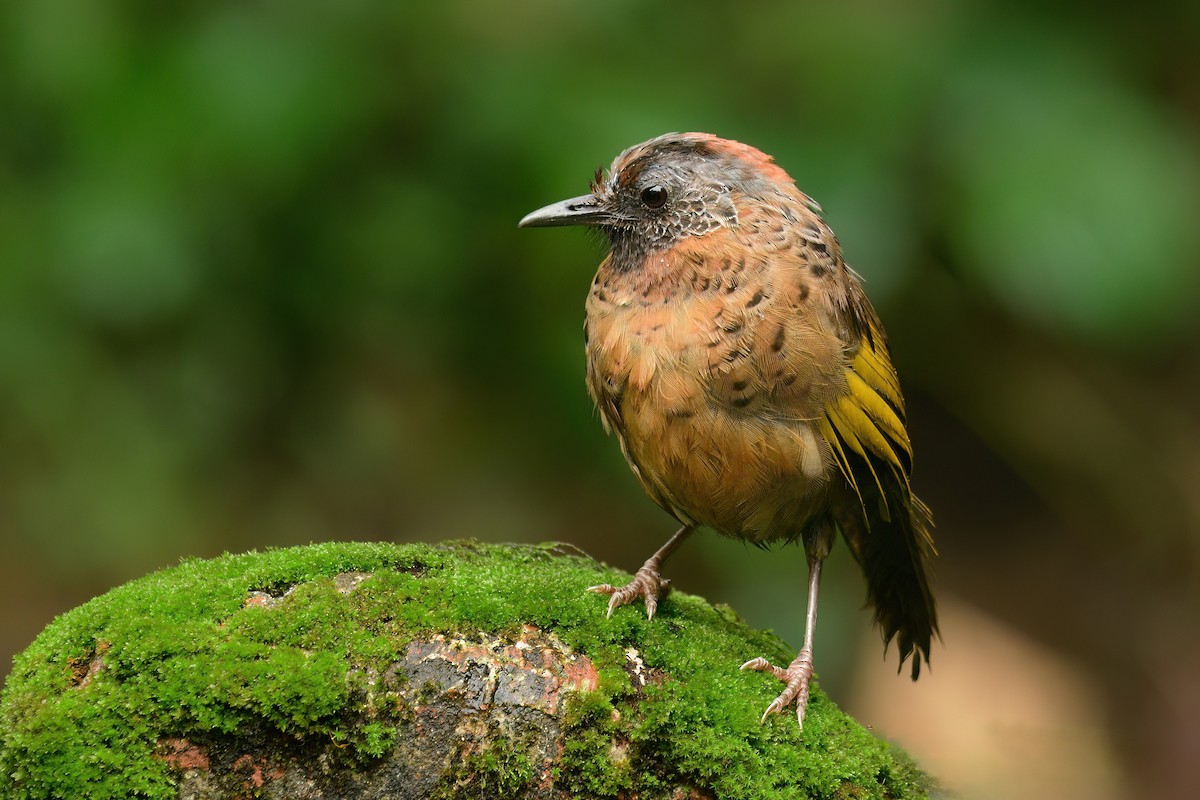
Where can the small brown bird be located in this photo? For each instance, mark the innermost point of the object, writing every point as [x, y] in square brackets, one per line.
[747, 378]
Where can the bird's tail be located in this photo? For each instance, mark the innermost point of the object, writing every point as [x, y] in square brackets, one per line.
[895, 552]
[888, 528]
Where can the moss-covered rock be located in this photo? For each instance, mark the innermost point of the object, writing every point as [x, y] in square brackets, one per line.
[410, 671]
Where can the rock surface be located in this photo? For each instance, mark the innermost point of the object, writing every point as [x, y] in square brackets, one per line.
[413, 671]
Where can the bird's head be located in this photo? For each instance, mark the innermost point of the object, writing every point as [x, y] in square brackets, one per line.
[668, 188]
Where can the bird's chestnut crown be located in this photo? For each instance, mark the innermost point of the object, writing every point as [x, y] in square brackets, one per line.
[665, 189]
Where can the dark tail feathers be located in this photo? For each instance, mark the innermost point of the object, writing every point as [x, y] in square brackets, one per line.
[894, 549]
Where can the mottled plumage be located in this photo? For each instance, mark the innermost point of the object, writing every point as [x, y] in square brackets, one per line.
[747, 378]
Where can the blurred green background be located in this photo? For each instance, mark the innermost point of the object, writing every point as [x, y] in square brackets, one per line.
[261, 284]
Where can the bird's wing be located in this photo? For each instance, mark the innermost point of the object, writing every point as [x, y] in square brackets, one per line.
[864, 425]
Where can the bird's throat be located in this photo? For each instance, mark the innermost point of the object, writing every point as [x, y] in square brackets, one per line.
[628, 252]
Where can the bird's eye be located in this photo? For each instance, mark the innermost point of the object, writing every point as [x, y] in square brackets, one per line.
[654, 197]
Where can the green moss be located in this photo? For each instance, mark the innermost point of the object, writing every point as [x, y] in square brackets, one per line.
[271, 641]
[503, 770]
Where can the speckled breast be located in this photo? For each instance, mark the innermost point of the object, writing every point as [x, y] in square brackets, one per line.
[699, 365]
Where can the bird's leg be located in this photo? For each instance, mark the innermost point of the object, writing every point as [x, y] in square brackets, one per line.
[647, 583]
[798, 674]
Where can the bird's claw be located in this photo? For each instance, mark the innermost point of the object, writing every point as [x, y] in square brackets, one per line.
[646, 584]
[760, 664]
[797, 677]
[774, 708]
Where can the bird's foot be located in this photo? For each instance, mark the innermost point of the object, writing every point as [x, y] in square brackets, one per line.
[646, 584]
[797, 676]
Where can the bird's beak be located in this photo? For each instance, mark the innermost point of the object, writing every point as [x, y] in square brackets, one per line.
[584, 210]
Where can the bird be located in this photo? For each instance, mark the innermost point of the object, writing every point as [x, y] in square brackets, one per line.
[747, 379]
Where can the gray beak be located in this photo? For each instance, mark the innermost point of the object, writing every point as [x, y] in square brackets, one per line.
[583, 210]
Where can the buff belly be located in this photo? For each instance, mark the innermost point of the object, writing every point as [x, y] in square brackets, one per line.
[756, 478]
